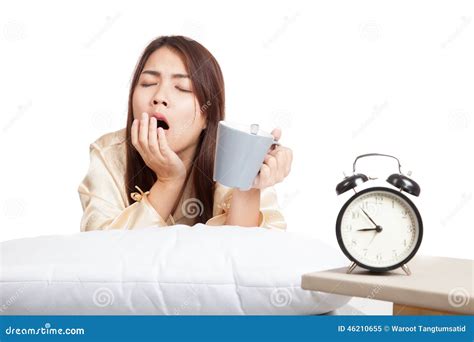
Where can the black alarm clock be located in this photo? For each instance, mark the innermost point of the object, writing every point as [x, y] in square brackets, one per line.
[379, 228]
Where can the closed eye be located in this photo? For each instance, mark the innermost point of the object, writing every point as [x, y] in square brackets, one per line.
[184, 90]
[145, 85]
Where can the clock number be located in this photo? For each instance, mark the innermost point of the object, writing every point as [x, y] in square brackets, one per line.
[365, 205]
[379, 256]
[405, 214]
[365, 251]
[355, 215]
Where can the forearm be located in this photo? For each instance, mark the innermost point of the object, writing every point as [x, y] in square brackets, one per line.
[244, 208]
[163, 196]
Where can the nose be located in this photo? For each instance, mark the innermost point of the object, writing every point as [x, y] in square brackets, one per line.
[157, 102]
[160, 97]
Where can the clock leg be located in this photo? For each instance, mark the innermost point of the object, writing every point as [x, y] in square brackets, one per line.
[406, 269]
[351, 267]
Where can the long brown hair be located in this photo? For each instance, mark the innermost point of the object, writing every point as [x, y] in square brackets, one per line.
[208, 87]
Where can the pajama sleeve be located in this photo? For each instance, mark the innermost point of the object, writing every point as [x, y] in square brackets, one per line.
[102, 199]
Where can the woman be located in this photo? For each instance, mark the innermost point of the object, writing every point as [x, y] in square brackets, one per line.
[176, 100]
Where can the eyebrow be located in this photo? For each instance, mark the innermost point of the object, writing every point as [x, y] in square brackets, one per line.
[158, 74]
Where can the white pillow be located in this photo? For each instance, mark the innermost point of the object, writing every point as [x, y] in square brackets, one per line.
[199, 270]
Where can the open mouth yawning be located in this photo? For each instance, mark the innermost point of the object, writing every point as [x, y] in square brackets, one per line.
[162, 124]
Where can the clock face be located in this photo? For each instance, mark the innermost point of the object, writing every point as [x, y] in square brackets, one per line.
[379, 228]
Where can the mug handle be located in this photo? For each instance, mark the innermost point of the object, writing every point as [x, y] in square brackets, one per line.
[275, 143]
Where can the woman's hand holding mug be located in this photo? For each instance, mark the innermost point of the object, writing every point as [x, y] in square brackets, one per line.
[276, 165]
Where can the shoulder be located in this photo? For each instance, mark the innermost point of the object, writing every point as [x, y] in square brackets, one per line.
[108, 140]
[111, 149]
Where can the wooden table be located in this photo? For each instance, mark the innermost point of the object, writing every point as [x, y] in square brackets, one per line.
[436, 286]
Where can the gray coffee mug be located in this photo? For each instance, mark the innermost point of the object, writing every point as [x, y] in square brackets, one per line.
[240, 152]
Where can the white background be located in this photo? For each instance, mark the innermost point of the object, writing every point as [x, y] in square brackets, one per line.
[341, 78]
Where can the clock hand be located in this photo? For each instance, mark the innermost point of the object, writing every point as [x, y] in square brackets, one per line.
[373, 237]
[378, 229]
[375, 224]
